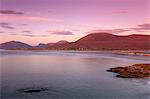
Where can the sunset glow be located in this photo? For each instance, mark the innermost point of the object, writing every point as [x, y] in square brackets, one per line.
[45, 21]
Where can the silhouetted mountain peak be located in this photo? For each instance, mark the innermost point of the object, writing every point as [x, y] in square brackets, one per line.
[14, 45]
[62, 42]
[100, 34]
[96, 37]
[93, 41]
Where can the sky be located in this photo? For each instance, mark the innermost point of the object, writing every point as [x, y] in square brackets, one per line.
[45, 21]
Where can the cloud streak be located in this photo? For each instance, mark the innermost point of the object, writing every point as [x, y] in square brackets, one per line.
[120, 12]
[27, 31]
[30, 18]
[23, 24]
[6, 25]
[114, 31]
[8, 15]
[34, 18]
[61, 32]
[139, 28]
[28, 35]
[31, 35]
[1, 32]
[11, 12]
[142, 27]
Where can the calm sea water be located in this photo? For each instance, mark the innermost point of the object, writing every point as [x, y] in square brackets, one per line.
[69, 75]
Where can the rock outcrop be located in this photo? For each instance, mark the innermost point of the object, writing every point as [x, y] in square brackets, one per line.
[134, 71]
[32, 90]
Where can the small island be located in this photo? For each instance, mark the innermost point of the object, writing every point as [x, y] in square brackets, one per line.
[133, 71]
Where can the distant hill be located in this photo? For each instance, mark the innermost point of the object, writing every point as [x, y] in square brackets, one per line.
[62, 42]
[14, 45]
[41, 45]
[93, 41]
[51, 45]
[106, 41]
[60, 45]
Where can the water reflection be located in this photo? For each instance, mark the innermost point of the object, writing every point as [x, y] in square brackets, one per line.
[70, 75]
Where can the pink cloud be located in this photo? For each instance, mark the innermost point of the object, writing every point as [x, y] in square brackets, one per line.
[28, 18]
[23, 24]
[34, 18]
[27, 31]
[145, 27]
[31, 35]
[120, 12]
[142, 27]
[61, 32]
[5, 25]
[114, 31]
[11, 12]
[1, 32]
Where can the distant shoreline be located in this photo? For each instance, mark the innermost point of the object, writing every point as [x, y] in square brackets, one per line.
[118, 52]
[90, 42]
[135, 53]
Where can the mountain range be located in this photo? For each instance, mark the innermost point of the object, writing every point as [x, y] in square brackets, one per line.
[93, 41]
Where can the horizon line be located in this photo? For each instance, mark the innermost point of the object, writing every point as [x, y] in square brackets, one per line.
[75, 40]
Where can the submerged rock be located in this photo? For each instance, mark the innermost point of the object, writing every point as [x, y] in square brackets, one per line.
[32, 90]
[134, 71]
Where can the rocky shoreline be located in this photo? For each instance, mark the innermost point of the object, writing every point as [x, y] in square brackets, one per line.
[137, 53]
[133, 71]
